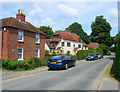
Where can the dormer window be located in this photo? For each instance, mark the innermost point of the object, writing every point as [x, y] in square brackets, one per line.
[20, 35]
[37, 38]
[56, 36]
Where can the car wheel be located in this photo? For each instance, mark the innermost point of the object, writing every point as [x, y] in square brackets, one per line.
[74, 64]
[66, 66]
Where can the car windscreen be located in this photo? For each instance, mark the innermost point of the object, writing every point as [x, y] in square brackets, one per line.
[91, 55]
[98, 53]
[57, 57]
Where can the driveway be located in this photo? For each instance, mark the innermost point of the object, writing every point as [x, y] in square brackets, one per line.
[85, 76]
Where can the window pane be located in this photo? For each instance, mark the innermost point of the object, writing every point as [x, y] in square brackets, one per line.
[19, 56]
[19, 37]
[19, 51]
[37, 52]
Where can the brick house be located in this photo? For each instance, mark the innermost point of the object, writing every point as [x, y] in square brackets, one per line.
[20, 39]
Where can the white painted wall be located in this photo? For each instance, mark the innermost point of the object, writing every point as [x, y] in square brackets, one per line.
[71, 48]
[46, 47]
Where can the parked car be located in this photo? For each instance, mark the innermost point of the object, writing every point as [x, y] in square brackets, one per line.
[100, 56]
[108, 53]
[92, 56]
[61, 61]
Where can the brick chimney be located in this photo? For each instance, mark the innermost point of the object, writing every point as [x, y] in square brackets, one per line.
[68, 30]
[21, 15]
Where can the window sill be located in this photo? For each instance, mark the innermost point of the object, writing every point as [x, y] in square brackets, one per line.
[20, 41]
[37, 43]
[20, 59]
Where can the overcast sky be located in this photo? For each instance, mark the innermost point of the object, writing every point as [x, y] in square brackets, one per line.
[60, 15]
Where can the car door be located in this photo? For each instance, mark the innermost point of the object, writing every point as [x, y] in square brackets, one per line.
[70, 61]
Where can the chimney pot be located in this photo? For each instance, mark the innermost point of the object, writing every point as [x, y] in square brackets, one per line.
[20, 15]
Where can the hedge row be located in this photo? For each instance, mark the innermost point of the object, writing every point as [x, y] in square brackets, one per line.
[117, 60]
[28, 64]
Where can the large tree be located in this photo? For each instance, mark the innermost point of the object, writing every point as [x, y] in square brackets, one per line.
[101, 31]
[47, 30]
[77, 29]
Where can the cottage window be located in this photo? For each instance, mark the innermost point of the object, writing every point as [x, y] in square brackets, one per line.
[68, 44]
[56, 36]
[73, 45]
[63, 44]
[37, 38]
[20, 54]
[37, 53]
[20, 35]
[79, 46]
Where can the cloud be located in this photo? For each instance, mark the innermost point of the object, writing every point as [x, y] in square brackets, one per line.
[37, 9]
[48, 21]
[113, 11]
[67, 10]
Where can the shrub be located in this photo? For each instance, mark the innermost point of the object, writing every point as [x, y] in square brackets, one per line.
[104, 48]
[82, 54]
[46, 52]
[117, 60]
[36, 61]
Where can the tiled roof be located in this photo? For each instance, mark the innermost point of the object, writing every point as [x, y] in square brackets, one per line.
[13, 22]
[93, 45]
[55, 40]
[67, 36]
[84, 44]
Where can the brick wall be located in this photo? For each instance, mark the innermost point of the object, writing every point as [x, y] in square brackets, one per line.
[0, 42]
[29, 45]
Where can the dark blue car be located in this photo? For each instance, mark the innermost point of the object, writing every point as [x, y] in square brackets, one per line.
[61, 61]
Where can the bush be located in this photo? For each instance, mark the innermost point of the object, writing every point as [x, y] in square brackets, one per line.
[27, 64]
[82, 54]
[46, 52]
[104, 48]
[117, 60]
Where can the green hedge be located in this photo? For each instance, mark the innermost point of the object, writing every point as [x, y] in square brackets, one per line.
[28, 64]
[117, 60]
[82, 54]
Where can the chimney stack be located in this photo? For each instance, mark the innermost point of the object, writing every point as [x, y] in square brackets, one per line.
[21, 15]
[68, 30]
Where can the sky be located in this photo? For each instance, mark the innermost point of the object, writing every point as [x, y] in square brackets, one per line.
[59, 15]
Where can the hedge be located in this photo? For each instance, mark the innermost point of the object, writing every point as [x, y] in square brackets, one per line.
[28, 64]
[117, 59]
[82, 54]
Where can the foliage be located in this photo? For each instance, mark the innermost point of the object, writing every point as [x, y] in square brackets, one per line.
[112, 49]
[47, 30]
[77, 29]
[104, 48]
[82, 54]
[47, 52]
[27, 64]
[99, 50]
[117, 60]
[101, 31]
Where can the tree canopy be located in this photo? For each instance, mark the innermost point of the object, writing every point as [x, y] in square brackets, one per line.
[101, 31]
[47, 30]
[77, 29]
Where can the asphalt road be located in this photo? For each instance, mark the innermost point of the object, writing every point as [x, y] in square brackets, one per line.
[85, 76]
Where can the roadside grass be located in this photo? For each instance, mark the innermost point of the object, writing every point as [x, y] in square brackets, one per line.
[111, 71]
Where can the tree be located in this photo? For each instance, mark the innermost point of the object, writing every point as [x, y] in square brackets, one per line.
[47, 30]
[101, 31]
[77, 29]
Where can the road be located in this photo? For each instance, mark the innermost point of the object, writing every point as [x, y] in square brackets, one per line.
[85, 76]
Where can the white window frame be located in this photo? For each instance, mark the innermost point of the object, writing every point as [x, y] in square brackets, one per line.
[21, 35]
[37, 53]
[38, 37]
[21, 53]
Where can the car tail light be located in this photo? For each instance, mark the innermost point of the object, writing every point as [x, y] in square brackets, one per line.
[59, 61]
[48, 61]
